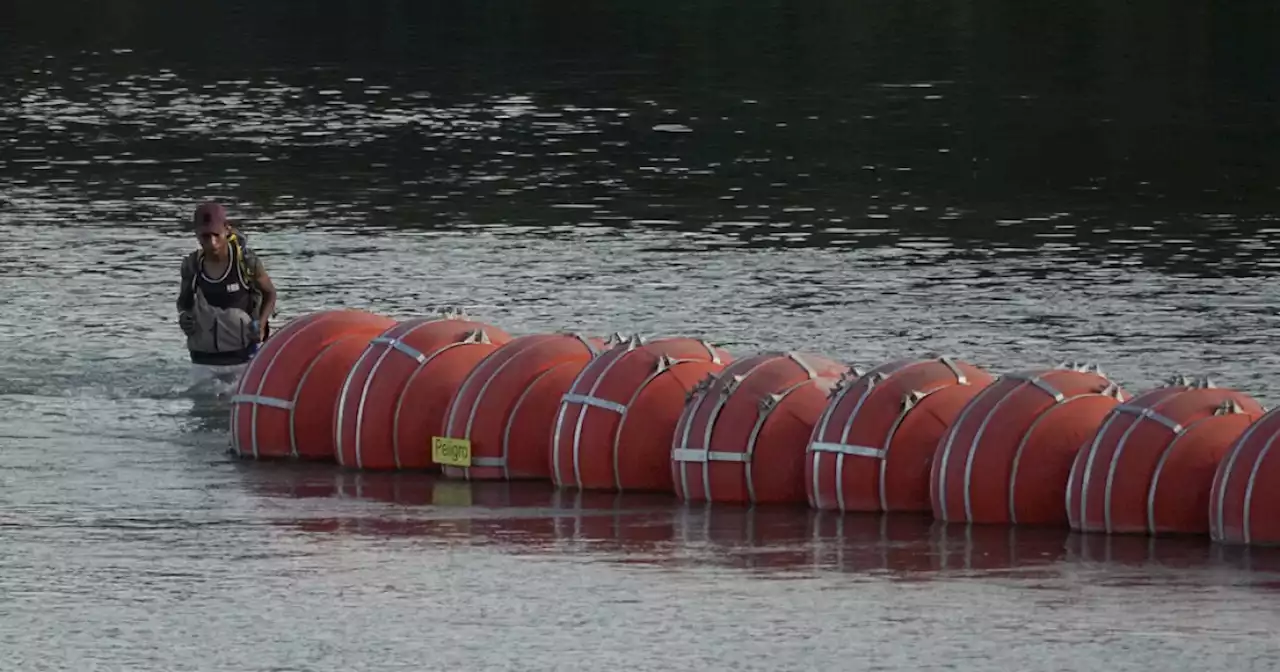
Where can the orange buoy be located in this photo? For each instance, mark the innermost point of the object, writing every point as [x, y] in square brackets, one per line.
[317, 396]
[407, 374]
[420, 412]
[1007, 456]
[1180, 489]
[265, 421]
[873, 445]
[614, 425]
[1246, 487]
[505, 409]
[743, 434]
[1116, 477]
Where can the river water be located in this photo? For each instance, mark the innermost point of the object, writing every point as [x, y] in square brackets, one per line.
[1016, 187]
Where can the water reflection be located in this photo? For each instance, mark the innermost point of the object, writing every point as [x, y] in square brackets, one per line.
[926, 133]
[655, 530]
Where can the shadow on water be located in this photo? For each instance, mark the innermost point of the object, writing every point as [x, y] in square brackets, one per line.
[655, 530]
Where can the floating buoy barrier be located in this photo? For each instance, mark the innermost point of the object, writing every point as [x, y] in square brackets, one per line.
[506, 406]
[283, 404]
[394, 397]
[618, 424]
[874, 443]
[1245, 495]
[614, 427]
[1007, 456]
[1122, 481]
[743, 433]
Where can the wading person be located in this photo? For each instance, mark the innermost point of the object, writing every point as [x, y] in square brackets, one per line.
[226, 298]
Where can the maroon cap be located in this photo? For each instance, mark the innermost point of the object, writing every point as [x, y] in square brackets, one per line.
[209, 212]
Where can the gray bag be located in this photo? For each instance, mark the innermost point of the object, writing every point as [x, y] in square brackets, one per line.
[220, 329]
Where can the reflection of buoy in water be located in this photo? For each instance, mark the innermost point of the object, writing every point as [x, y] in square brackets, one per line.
[506, 405]
[1245, 494]
[768, 537]
[282, 397]
[633, 523]
[1007, 456]
[1128, 549]
[913, 546]
[405, 488]
[292, 481]
[393, 399]
[517, 513]
[614, 426]
[855, 541]
[873, 445]
[1144, 470]
[521, 496]
[742, 435]
[994, 547]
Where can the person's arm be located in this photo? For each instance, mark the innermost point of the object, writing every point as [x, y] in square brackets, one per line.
[268, 289]
[185, 296]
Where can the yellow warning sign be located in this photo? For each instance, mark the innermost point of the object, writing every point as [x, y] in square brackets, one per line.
[453, 452]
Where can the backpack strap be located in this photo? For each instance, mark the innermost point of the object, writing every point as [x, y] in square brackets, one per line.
[191, 268]
[247, 262]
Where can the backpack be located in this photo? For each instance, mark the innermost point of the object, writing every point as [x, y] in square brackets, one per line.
[242, 256]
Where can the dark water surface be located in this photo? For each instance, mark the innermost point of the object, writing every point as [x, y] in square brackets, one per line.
[1015, 185]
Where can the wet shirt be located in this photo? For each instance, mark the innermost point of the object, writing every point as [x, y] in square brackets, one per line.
[229, 290]
[220, 338]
